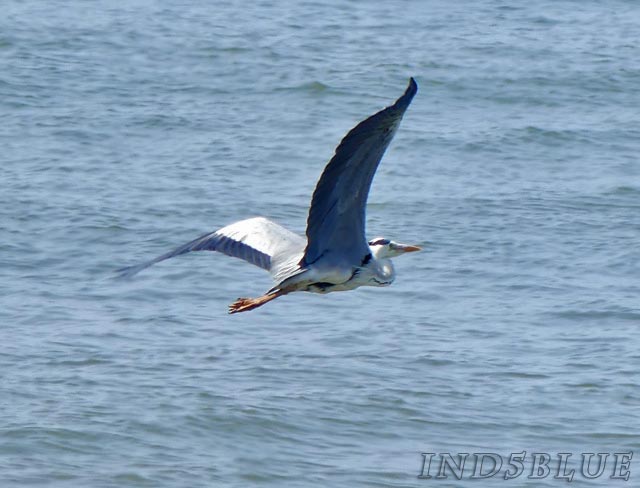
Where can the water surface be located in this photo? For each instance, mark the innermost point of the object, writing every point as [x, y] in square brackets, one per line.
[129, 129]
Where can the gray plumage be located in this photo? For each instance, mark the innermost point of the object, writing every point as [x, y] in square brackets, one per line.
[337, 215]
[335, 254]
[258, 241]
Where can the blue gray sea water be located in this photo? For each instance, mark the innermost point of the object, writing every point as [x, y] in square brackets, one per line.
[131, 127]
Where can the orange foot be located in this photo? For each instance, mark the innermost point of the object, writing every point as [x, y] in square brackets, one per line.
[246, 304]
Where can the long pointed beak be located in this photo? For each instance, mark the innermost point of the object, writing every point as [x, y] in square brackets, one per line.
[408, 248]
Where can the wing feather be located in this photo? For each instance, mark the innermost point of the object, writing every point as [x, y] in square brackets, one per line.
[258, 241]
[336, 222]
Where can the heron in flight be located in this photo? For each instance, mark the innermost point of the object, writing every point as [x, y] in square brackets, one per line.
[336, 255]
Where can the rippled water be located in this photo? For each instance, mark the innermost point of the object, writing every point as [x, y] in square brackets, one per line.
[131, 128]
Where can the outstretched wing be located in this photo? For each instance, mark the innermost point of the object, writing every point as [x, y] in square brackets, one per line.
[336, 222]
[257, 241]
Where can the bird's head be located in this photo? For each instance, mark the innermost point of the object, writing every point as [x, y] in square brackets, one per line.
[383, 248]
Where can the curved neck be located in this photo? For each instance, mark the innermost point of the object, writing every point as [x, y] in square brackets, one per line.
[381, 266]
[383, 271]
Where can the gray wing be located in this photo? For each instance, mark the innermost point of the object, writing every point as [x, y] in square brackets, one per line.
[257, 240]
[336, 222]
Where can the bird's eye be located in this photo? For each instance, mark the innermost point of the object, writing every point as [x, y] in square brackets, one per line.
[379, 242]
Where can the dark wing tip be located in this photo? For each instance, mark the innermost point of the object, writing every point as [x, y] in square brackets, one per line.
[129, 271]
[404, 101]
[413, 86]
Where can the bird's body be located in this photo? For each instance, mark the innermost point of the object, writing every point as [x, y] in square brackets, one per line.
[335, 256]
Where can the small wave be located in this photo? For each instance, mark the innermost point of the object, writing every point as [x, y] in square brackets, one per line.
[624, 190]
[598, 314]
[310, 87]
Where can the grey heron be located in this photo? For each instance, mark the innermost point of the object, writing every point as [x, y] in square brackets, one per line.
[336, 255]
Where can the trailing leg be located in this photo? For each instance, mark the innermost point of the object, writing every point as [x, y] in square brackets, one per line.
[246, 304]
